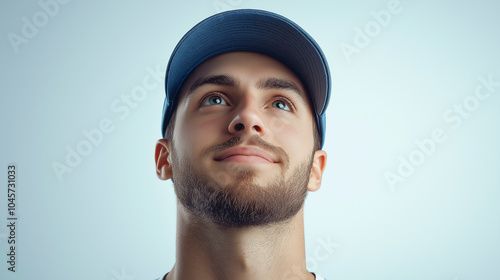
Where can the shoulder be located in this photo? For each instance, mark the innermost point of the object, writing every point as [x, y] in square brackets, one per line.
[317, 277]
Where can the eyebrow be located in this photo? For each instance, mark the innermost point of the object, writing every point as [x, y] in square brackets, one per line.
[276, 83]
[220, 80]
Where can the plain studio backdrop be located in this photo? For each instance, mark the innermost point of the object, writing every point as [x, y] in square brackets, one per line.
[411, 188]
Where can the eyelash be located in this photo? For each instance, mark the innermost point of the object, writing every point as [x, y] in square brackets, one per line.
[286, 100]
[212, 94]
[276, 98]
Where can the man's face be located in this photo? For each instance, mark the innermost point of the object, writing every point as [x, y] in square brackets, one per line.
[242, 147]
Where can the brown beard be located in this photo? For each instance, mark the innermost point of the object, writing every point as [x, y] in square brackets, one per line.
[242, 203]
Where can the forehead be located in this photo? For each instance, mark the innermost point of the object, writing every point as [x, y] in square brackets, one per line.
[252, 61]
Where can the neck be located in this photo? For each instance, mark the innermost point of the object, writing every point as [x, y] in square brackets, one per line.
[206, 251]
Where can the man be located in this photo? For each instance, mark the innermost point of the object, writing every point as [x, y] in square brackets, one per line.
[243, 127]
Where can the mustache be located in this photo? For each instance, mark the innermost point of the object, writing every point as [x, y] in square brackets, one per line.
[254, 140]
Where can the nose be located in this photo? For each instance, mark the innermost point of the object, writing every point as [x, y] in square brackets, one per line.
[247, 119]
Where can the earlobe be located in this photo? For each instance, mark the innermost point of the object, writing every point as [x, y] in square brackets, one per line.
[162, 159]
[319, 164]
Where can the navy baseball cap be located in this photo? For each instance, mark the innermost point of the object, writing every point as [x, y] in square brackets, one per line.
[251, 30]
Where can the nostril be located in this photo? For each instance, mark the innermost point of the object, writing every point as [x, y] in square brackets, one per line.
[239, 126]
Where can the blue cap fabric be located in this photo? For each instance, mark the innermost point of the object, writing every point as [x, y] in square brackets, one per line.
[251, 30]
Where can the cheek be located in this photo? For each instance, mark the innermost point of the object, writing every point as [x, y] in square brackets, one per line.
[295, 136]
[196, 135]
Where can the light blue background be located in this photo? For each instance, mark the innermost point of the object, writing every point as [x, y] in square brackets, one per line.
[111, 218]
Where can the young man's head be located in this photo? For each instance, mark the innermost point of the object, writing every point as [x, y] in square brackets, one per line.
[244, 119]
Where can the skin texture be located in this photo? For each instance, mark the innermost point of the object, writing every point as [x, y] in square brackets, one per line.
[242, 160]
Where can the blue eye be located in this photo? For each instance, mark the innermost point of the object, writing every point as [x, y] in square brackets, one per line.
[280, 104]
[214, 100]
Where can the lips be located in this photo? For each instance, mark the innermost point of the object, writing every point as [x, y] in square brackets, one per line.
[246, 154]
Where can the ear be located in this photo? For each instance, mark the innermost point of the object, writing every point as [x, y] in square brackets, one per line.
[162, 159]
[319, 163]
